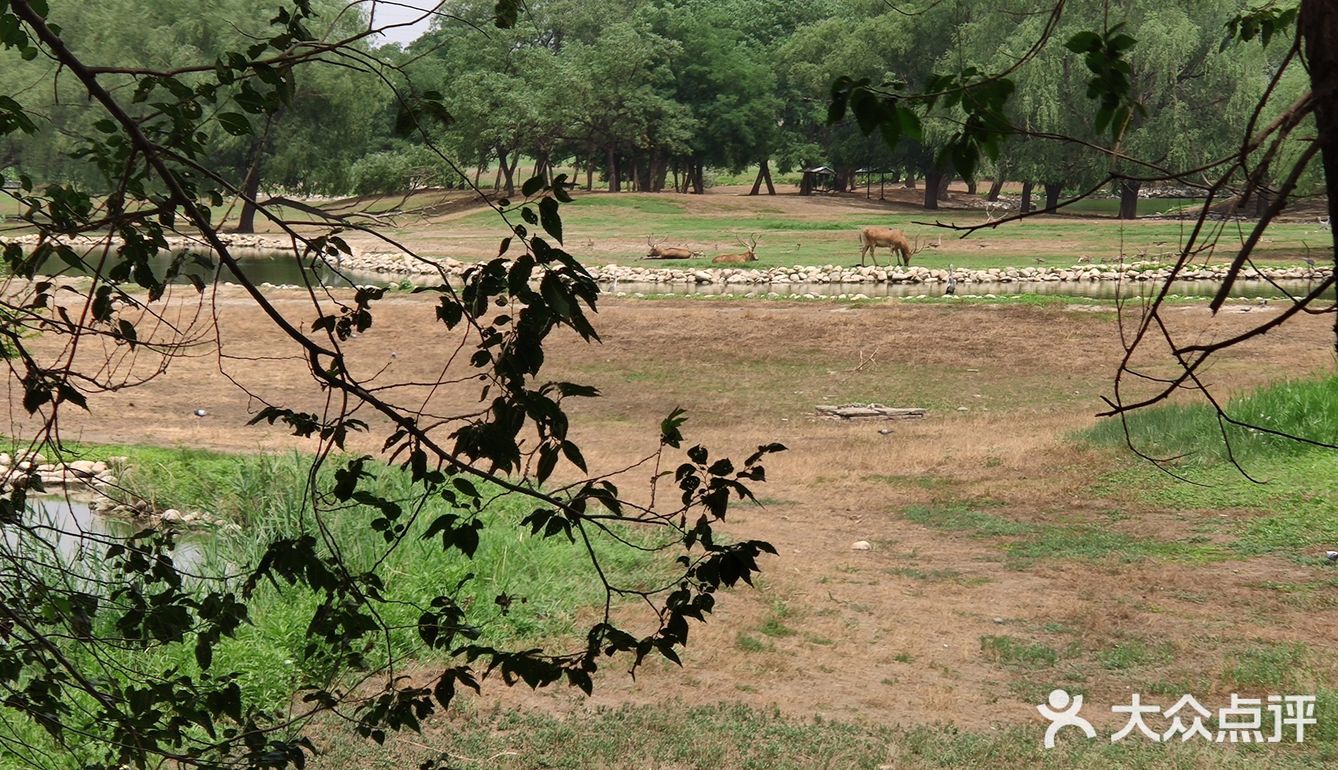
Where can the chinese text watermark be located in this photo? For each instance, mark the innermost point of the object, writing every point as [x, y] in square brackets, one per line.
[1245, 720]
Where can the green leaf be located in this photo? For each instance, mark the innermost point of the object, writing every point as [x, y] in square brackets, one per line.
[235, 123]
[548, 216]
[670, 435]
[533, 185]
[1083, 42]
[910, 123]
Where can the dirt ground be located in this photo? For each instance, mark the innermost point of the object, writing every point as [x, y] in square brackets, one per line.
[892, 634]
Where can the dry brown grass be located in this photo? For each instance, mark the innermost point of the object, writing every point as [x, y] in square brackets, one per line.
[891, 634]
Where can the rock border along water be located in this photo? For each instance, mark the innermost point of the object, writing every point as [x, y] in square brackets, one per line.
[401, 264]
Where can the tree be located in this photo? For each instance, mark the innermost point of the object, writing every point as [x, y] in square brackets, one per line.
[1282, 139]
[335, 117]
[67, 629]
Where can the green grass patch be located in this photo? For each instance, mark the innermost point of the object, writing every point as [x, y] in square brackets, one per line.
[960, 517]
[1305, 408]
[672, 735]
[1029, 542]
[1294, 510]
[1131, 653]
[1271, 667]
[774, 624]
[750, 643]
[550, 581]
[1289, 501]
[639, 203]
[1008, 651]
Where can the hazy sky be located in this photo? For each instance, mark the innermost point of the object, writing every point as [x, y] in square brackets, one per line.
[402, 11]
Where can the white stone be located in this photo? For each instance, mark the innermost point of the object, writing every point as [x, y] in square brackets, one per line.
[83, 467]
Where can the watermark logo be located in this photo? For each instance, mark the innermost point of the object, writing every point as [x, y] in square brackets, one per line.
[1245, 720]
[1063, 712]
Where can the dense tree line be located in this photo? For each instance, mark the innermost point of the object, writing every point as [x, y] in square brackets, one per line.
[648, 94]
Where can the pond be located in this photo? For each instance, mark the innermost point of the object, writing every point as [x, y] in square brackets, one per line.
[1090, 289]
[82, 536]
[261, 268]
[283, 270]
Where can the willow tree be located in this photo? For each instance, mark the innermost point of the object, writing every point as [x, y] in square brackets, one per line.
[1285, 139]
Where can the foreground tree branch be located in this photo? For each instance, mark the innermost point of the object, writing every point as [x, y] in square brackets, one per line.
[69, 621]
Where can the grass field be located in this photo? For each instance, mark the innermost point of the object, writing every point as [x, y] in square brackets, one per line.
[1012, 549]
[271, 654]
[1014, 546]
[793, 230]
[826, 232]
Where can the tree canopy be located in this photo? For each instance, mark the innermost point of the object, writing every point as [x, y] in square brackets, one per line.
[130, 138]
[647, 94]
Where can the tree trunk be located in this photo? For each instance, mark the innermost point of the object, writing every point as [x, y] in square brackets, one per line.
[698, 177]
[509, 170]
[1026, 197]
[1262, 199]
[1129, 199]
[1052, 190]
[933, 179]
[1319, 28]
[971, 186]
[943, 183]
[763, 175]
[246, 223]
[250, 190]
[910, 180]
[642, 167]
[659, 171]
[615, 183]
[996, 187]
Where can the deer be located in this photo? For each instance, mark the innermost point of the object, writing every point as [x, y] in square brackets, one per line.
[870, 238]
[668, 252]
[737, 259]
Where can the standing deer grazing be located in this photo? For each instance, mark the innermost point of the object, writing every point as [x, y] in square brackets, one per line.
[738, 259]
[870, 238]
[668, 252]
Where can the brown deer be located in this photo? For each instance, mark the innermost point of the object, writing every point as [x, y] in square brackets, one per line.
[870, 238]
[668, 252]
[738, 259]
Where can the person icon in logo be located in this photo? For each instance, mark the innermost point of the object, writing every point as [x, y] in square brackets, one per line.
[1063, 712]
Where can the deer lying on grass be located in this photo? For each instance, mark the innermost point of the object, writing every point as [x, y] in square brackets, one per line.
[870, 238]
[738, 259]
[668, 252]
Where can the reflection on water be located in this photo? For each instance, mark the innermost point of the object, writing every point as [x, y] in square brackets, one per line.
[282, 269]
[1091, 289]
[263, 268]
[81, 537]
